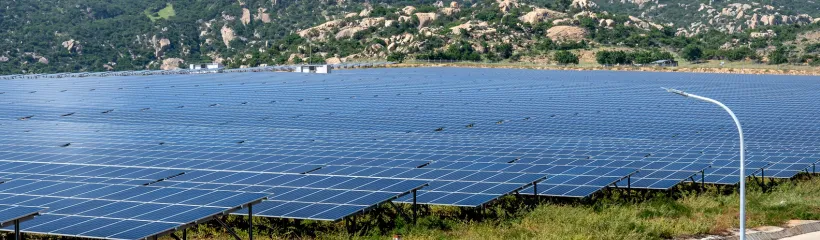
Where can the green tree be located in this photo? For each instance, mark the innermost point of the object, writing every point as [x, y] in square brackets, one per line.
[565, 57]
[778, 56]
[692, 53]
[396, 57]
[504, 51]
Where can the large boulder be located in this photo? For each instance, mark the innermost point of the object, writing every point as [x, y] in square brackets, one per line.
[365, 13]
[470, 26]
[348, 32]
[426, 18]
[320, 30]
[246, 16]
[262, 15]
[567, 33]
[584, 4]
[408, 10]
[607, 23]
[227, 35]
[448, 11]
[171, 63]
[538, 15]
[639, 23]
[72, 46]
[333, 60]
[371, 22]
[506, 5]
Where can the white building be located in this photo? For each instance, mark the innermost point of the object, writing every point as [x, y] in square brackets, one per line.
[207, 66]
[314, 69]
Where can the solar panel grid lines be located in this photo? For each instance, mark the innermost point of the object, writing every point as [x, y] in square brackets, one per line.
[342, 143]
[367, 193]
[11, 214]
[117, 207]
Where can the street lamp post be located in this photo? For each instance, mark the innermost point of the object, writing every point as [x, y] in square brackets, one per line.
[742, 155]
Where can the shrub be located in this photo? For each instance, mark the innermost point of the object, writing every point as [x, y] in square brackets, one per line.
[565, 57]
[692, 53]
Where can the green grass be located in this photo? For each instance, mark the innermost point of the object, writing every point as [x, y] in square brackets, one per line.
[165, 13]
[609, 217]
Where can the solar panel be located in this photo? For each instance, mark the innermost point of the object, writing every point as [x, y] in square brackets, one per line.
[100, 209]
[9, 214]
[323, 147]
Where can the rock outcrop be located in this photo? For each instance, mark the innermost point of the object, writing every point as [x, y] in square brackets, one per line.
[426, 18]
[42, 60]
[159, 45]
[538, 15]
[566, 33]
[607, 23]
[365, 13]
[227, 35]
[409, 10]
[263, 15]
[4, 59]
[506, 5]
[246, 16]
[348, 32]
[371, 22]
[480, 27]
[321, 30]
[73, 46]
[333, 60]
[171, 63]
[639, 23]
[583, 4]
[767, 34]
[448, 11]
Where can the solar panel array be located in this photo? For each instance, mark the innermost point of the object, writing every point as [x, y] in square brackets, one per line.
[323, 147]
[11, 214]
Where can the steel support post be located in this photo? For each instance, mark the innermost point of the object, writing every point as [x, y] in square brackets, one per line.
[415, 207]
[17, 234]
[250, 222]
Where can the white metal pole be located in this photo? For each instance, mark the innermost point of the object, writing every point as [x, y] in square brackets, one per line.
[742, 154]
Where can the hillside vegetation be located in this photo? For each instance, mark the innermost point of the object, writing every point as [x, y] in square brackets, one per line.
[43, 36]
[655, 215]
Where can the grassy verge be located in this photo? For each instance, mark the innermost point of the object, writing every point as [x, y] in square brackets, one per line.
[164, 13]
[611, 217]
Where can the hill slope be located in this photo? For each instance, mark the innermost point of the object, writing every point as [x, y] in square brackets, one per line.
[99, 35]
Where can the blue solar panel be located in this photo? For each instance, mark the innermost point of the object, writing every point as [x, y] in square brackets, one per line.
[324, 147]
[11, 213]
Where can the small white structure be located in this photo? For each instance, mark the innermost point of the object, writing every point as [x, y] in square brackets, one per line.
[207, 66]
[325, 69]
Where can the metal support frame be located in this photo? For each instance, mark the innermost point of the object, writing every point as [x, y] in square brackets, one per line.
[415, 207]
[184, 235]
[352, 225]
[400, 211]
[230, 230]
[535, 189]
[629, 186]
[250, 222]
[703, 180]
[17, 234]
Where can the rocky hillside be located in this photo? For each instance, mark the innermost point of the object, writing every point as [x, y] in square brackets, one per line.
[104, 35]
[692, 17]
